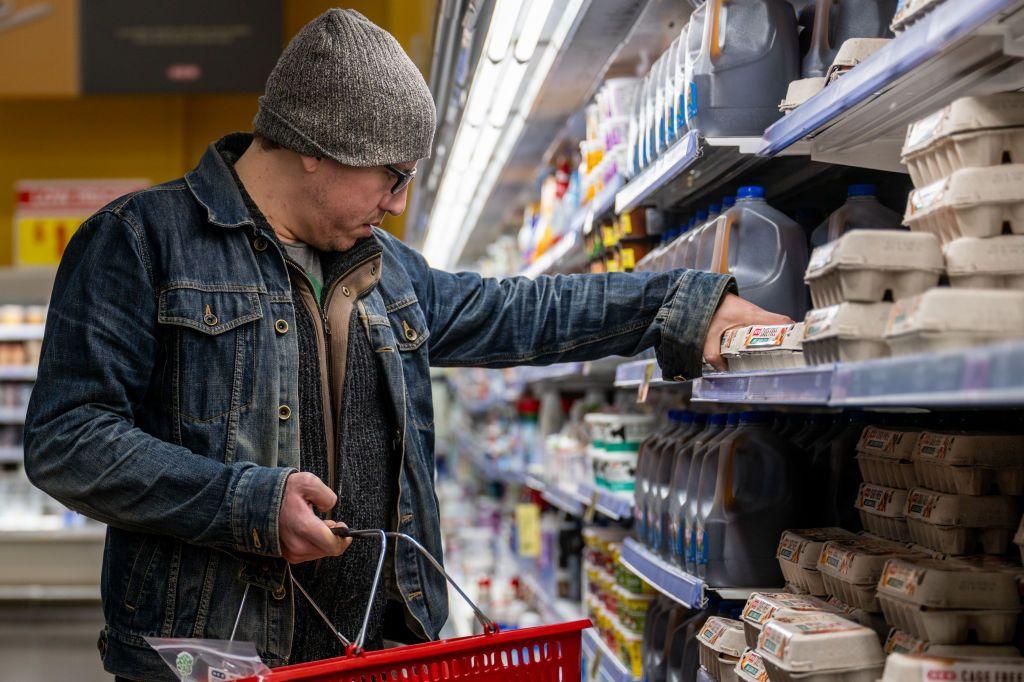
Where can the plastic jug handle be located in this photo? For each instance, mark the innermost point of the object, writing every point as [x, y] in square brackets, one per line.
[712, 28]
[821, 17]
[720, 255]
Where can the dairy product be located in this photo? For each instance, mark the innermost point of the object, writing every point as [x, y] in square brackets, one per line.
[865, 265]
[971, 202]
[761, 607]
[882, 511]
[675, 522]
[884, 456]
[721, 645]
[846, 332]
[862, 211]
[961, 524]
[852, 53]
[798, 554]
[765, 347]
[850, 569]
[661, 485]
[900, 642]
[683, 651]
[794, 645]
[836, 22]
[947, 319]
[831, 479]
[917, 667]
[994, 263]
[645, 460]
[970, 463]
[799, 92]
[750, 667]
[692, 506]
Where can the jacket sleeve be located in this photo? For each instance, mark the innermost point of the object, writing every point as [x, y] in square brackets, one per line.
[82, 445]
[477, 321]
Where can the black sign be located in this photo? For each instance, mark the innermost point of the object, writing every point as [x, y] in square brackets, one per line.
[131, 46]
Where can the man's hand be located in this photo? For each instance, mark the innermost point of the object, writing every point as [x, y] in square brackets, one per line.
[732, 313]
[304, 535]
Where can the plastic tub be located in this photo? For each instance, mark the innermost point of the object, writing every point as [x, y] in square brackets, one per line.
[900, 642]
[750, 667]
[972, 202]
[948, 319]
[970, 464]
[721, 645]
[994, 263]
[864, 265]
[768, 347]
[819, 646]
[852, 53]
[851, 568]
[763, 606]
[972, 132]
[847, 332]
[918, 667]
[882, 511]
[798, 555]
[961, 524]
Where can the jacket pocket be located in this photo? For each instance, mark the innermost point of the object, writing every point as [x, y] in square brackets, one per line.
[213, 348]
[409, 326]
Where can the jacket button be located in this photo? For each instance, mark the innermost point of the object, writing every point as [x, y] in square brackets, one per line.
[281, 326]
[260, 244]
[279, 593]
[284, 412]
[210, 319]
[345, 291]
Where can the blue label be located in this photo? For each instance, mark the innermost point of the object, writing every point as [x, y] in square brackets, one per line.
[702, 547]
[689, 547]
[680, 548]
[691, 105]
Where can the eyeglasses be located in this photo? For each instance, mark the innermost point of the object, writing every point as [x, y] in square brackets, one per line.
[404, 178]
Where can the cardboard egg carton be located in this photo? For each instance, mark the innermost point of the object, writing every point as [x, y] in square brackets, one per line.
[851, 53]
[863, 265]
[882, 511]
[800, 91]
[798, 554]
[721, 644]
[869, 619]
[947, 319]
[970, 463]
[821, 646]
[750, 667]
[909, 11]
[972, 132]
[884, 456]
[961, 524]
[972, 202]
[851, 568]
[900, 642]
[763, 347]
[847, 332]
[994, 263]
[763, 606]
[917, 667]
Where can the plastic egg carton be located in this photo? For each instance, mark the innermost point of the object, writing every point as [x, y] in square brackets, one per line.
[819, 647]
[948, 319]
[862, 265]
[948, 601]
[798, 554]
[918, 667]
[970, 464]
[763, 606]
[851, 568]
[764, 347]
[972, 132]
[882, 511]
[750, 667]
[900, 642]
[972, 202]
[721, 644]
[884, 456]
[961, 524]
[994, 263]
[847, 332]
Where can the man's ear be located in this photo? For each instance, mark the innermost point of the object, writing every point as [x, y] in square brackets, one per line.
[310, 163]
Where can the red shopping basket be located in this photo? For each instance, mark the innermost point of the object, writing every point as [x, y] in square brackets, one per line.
[547, 653]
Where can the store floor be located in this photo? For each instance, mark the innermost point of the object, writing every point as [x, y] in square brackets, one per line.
[41, 643]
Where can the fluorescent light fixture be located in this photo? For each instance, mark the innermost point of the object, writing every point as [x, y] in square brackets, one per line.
[501, 29]
[529, 34]
[485, 82]
[505, 97]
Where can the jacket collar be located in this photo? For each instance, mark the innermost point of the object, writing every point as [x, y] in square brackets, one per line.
[213, 185]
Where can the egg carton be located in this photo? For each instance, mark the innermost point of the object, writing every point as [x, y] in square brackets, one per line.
[971, 464]
[750, 667]
[972, 202]
[947, 319]
[721, 644]
[764, 347]
[892, 473]
[851, 53]
[900, 642]
[918, 667]
[869, 619]
[798, 554]
[973, 584]
[961, 524]
[882, 511]
[972, 132]
[800, 91]
[994, 263]
[819, 646]
[909, 11]
[846, 332]
[763, 606]
[850, 569]
[863, 265]
[895, 443]
[952, 626]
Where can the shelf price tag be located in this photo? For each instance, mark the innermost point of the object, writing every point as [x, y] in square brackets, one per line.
[528, 530]
[645, 383]
[591, 511]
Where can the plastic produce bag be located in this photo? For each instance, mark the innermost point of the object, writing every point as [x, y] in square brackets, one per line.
[209, 660]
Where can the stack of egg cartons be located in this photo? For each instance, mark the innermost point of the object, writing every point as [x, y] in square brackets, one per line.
[884, 457]
[798, 554]
[967, 163]
[819, 646]
[721, 643]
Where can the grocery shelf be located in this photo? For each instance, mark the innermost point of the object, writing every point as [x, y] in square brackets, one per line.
[551, 608]
[13, 415]
[597, 656]
[959, 48]
[594, 371]
[616, 506]
[18, 373]
[562, 370]
[10, 454]
[568, 500]
[21, 332]
[633, 374]
[802, 386]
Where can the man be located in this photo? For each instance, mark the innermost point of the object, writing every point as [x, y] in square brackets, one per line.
[230, 351]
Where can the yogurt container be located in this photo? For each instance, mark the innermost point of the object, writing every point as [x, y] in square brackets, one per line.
[972, 202]
[900, 642]
[925, 667]
[819, 646]
[847, 332]
[798, 555]
[863, 265]
[972, 132]
[948, 319]
[615, 444]
[750, 667]
[994, 263]
[721, 645]
[970, 464]
[763, 606]
[884, 456]
[961, 524]
[851, 569]
[882, 511]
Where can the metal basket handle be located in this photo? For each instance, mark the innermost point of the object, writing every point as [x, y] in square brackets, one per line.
[355, 648]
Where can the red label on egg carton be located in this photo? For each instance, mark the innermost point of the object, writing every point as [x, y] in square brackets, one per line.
[766, 337]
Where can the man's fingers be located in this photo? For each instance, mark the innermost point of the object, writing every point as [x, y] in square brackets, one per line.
[322, 497]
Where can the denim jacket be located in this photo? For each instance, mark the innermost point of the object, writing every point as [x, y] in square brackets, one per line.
[167, 363]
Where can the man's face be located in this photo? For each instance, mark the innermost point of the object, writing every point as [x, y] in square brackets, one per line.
[342, 203]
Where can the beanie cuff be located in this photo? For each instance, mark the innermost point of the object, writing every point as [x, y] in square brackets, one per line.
[272, 125]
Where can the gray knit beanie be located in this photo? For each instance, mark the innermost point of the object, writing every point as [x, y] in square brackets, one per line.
[345, 89]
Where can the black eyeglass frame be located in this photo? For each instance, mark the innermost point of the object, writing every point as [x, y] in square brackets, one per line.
[404, 178]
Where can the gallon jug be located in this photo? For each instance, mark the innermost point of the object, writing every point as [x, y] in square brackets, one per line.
[647, 458]
[683, 657]
[675, 512]
[748, 55]
[748, 496]
[692, 500]
[658, 503]
[655, 624]
[836, 21]
[862, 211]
[662, 458]
[765, 251]
[835, 476]
[656, 659]
[690, 53]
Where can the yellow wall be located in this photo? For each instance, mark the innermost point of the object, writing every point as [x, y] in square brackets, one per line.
[158, 137]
